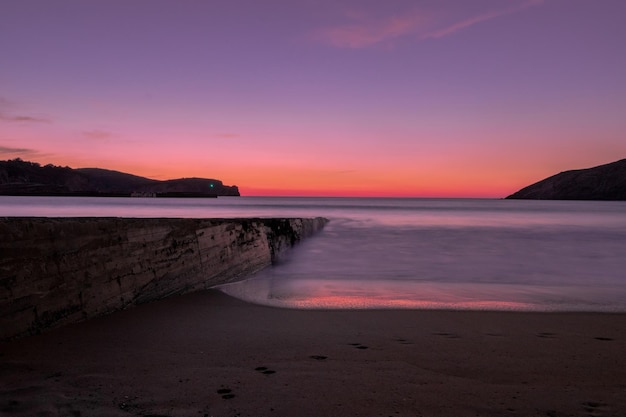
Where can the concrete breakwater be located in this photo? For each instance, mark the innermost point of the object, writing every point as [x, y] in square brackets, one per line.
[55, 271]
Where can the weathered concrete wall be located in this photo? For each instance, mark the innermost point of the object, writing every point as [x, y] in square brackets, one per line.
[55, 271]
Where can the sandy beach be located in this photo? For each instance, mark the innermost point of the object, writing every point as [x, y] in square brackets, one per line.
[206, 354]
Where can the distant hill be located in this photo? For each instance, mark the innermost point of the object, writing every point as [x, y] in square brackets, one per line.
[19, 177]
[604, 182]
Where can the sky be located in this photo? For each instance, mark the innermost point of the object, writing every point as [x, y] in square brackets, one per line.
[419, 98]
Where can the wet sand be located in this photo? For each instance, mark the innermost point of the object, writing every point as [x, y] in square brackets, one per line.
[206, 354]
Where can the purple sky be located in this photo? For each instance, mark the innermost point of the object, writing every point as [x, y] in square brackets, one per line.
[341, 97]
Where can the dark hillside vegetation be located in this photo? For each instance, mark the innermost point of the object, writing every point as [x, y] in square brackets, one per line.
[18, 177]
[604, 182]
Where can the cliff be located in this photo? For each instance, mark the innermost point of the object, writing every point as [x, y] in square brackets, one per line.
[55, 271]
[19, 177]
[604, 182]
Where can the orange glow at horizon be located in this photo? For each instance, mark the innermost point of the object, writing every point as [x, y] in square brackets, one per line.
[365, 171]
[384, 181]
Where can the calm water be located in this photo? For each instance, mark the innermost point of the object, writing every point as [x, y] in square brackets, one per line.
[413, 253]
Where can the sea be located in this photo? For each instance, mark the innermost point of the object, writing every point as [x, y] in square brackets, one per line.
[405, 253]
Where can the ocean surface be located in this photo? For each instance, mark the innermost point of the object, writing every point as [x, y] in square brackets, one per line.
[413, 253]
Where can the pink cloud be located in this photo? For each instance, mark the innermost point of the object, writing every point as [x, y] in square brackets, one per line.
[363, 34]
[6, 151]
[97, 134]
[226, 135]
[22, 118]
[367, 32]
[7, 107]
[449, 30]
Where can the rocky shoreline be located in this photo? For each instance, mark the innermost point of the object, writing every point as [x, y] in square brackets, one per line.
[55, 271]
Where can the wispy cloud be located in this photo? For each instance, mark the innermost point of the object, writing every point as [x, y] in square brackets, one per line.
[366, 33]
[10, 112]
[22, 118]
[10, 151]
[362, 32]
[97, 134]
[226, 135]
[464, 24]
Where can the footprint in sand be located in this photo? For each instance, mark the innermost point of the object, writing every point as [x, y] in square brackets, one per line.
[264, 370]
[318, 357]
[448, 335]
[226, 393]
[595, 408]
